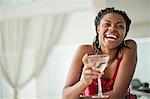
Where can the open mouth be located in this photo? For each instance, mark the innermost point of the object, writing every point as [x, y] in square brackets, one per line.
[111, 37]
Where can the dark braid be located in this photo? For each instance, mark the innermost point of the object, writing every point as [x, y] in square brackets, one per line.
[96, 43]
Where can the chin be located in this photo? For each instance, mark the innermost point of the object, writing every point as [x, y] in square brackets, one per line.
[111, 47]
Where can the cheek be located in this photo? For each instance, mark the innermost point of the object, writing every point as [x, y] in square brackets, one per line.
[101, 28]
[102, 31]
[122, 33]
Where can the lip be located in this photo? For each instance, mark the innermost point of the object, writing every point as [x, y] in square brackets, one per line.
[111, 36]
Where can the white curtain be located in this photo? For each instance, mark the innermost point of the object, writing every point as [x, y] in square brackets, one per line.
[28, 31]
[25, 45]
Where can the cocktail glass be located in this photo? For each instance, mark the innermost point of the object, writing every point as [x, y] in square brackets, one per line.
[101, 63]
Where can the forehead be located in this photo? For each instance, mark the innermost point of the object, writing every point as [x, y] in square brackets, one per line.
[113, 17]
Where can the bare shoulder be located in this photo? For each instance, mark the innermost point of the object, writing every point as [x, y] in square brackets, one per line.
[85, 46]
[131, 44]
[131, 50]
[82, 49]
[79, 53]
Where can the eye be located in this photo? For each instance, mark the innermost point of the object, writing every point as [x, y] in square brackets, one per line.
[106, 24]
[120, 26]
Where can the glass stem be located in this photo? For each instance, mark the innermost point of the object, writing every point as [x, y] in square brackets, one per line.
[99, 87]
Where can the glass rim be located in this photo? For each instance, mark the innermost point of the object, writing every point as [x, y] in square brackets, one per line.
[100, 55]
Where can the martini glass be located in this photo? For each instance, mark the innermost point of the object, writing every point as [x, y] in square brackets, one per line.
[101, 63]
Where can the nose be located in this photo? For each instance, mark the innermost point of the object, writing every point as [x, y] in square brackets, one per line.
[113, 28]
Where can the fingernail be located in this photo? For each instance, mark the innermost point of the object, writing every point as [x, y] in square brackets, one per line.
[100, 75]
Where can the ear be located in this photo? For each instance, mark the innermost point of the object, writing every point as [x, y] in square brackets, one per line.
[98, 28]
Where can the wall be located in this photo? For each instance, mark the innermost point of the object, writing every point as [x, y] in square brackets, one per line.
[143, 64]
[60, 59]
[80, 30]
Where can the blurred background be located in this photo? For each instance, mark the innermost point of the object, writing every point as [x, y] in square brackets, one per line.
[38, 39]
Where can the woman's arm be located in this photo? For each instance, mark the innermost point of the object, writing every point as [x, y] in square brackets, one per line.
[74, 87]
[125, 71]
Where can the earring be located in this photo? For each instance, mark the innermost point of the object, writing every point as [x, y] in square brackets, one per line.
[97, 42]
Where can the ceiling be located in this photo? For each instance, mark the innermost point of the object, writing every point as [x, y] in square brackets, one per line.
[138, 10]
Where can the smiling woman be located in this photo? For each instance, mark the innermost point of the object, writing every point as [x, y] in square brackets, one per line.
[112, 27]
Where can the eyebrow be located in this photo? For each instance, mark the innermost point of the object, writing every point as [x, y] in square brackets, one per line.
[116, 23]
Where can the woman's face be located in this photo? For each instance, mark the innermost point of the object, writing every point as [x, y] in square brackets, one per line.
[111, 30]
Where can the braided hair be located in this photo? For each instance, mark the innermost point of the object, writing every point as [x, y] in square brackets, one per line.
[100, 15]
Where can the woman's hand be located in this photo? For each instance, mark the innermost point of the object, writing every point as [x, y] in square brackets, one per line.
[90, 70]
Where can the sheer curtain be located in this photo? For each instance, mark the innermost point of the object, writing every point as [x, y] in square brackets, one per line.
[28, 31]
[24, 46]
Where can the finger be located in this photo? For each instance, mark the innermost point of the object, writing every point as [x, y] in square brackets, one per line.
[91, 72]
[88, 71]
[98, 73]
[90, 66]
[102, 73]
[91, 76]
[93, 68]
[85, 59]
[86, 66]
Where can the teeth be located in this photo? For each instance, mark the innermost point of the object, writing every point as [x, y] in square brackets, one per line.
[111, 36]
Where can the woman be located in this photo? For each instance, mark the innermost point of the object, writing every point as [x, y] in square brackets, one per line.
[112, 27]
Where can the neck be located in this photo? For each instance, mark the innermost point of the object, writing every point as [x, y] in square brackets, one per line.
[107, 51]
[111, 52]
